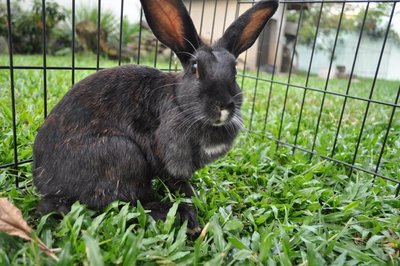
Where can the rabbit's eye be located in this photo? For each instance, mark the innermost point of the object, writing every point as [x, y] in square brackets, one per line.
[194, 69]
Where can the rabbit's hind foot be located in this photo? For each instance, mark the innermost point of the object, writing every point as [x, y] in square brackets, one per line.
[54, 204]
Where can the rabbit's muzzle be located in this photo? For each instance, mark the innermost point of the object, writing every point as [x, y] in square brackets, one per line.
[224, 113]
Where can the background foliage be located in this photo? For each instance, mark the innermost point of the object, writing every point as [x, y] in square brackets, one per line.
[375, 26]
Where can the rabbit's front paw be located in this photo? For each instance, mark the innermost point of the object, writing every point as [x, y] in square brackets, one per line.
[188, 213]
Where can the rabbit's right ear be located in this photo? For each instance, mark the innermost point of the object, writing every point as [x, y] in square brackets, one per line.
[172, 25]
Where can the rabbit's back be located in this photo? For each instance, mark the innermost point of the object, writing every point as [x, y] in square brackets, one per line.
[97, 140]
[120, 95]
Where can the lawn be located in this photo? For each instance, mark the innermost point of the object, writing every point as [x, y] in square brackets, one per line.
[259, 205]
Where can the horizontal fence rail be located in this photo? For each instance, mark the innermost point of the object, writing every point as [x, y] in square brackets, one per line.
[270, 123]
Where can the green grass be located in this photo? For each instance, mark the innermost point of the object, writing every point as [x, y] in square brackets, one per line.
[260, 205]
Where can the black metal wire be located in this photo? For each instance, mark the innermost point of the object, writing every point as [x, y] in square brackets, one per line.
[98, 34]
[314, 153]
[190, 7]
[245, 53]
[226, 15]
[395, 105]
[202, 18]
[44, 32]
[290, 74]
[372, 88]
[243, 75]
[121, 25]
[327, 78]
[325, 92]
[349, 83]
[308, 77]
[73, 44]
[11, 62]
[389, 126]
[140, 37]
[213, 21]
[256, 84]
[334, 1]
[12, 165]
[273, 70]
[156, 54]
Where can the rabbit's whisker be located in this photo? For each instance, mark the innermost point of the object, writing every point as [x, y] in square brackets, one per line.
[163, 86]
[192, 55]
[191, 44]
[191, 125]
[237, 94]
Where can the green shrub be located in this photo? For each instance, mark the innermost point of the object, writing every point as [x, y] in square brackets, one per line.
[27, 26]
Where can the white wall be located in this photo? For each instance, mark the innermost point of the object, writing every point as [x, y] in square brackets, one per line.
[367, 59]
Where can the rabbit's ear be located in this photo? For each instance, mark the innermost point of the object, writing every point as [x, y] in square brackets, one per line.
[172, 25]
[243, 32]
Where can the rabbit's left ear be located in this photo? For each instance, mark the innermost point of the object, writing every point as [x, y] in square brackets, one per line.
[243, 32]
[172, 25]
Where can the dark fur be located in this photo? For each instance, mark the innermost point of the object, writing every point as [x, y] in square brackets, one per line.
[116, 130]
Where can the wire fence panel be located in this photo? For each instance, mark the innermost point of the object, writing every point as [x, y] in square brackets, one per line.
[319, 81]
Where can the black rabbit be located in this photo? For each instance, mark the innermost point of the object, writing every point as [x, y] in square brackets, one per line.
[116, 130]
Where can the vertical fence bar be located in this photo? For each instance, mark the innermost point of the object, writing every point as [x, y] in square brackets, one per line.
[140, 37]
[278, 42]
[11, 62]
[244, 69]
[44, 32]
[237, 9]
[378, 163]
[352, 166]
[372, 88]
[225, 15]
[238, 3]
[73, 44]
[190, 7]
[98, 34]
[253, 105]
[213, 22]
[171, 56]
[121, 25]
[349, 83]
[255, 89]
[157, 47]
[327, 79]
[290, 75]
[307, 78]
[202, 17]
[155, 55]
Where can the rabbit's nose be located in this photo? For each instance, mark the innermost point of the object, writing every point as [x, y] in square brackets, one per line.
[225, 111]
[224, 114]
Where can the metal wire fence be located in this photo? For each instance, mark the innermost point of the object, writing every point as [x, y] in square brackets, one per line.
[344, 120]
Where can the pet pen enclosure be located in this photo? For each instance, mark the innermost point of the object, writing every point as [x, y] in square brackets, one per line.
[333, 111]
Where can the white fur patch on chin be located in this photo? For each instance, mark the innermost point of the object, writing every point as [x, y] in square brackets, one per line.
[215, 150]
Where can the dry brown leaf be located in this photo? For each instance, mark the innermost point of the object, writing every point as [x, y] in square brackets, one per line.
[12, 223]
